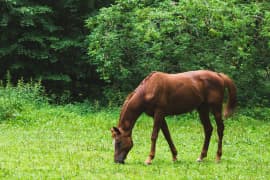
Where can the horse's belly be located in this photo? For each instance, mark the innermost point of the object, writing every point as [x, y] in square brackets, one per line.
[182, 104]
[180, 108]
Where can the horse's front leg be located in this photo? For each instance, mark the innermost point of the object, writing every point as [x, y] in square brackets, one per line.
[157, 124]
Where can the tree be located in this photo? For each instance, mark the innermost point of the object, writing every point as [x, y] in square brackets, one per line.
[46, 40]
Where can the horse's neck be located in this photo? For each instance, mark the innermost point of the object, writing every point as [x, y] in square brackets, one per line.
[128, 119]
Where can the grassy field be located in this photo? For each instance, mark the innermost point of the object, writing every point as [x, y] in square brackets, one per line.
[64, 142]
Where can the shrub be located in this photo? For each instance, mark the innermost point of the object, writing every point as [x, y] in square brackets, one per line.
[130, 39]
[15, 99]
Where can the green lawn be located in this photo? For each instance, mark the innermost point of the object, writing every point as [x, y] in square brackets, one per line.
[63, 143]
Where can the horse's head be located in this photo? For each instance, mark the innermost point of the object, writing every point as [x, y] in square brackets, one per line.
[122, 145]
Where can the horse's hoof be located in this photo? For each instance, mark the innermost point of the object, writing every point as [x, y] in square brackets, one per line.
[199, 160]
[174, 159]
[147, 163]
[218, 160]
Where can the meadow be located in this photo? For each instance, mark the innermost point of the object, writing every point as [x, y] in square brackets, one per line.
[63, 143]
[43, 141]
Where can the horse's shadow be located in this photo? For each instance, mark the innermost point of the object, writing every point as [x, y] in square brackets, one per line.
[181, 162]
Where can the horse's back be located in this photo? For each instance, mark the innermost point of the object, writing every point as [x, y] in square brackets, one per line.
[182, 92]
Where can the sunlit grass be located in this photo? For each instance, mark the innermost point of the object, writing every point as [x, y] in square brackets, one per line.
[62, 142]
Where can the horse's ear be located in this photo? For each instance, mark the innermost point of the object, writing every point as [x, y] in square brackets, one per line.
[115, 131]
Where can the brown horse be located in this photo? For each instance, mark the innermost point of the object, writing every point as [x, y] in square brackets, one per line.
[161, 94]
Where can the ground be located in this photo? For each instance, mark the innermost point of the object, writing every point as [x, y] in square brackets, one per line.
[60, 142]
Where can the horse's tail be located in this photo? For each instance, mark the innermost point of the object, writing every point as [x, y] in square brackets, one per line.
[231, 104]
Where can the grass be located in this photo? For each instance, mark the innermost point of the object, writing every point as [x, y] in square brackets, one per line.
[66, 142]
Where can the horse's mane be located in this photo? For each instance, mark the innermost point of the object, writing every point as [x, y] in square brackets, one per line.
[124, 107]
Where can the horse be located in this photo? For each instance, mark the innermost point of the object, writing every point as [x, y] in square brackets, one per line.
[161, 94]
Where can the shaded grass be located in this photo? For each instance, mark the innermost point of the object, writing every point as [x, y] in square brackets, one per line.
[62, 142]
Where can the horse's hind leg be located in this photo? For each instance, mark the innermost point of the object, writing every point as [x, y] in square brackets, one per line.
[205, 120]
[166, 132]
[220, 128]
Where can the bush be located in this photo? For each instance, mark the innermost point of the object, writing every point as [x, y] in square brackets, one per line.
[132, 38]
[259, 113]
[15, 99]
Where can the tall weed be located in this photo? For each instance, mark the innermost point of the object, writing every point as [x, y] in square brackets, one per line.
[15, 99]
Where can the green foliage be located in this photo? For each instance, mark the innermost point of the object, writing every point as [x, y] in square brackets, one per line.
[259, 113]
[126, 40]
[132, 38]
[46, 40]
[15, 100]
